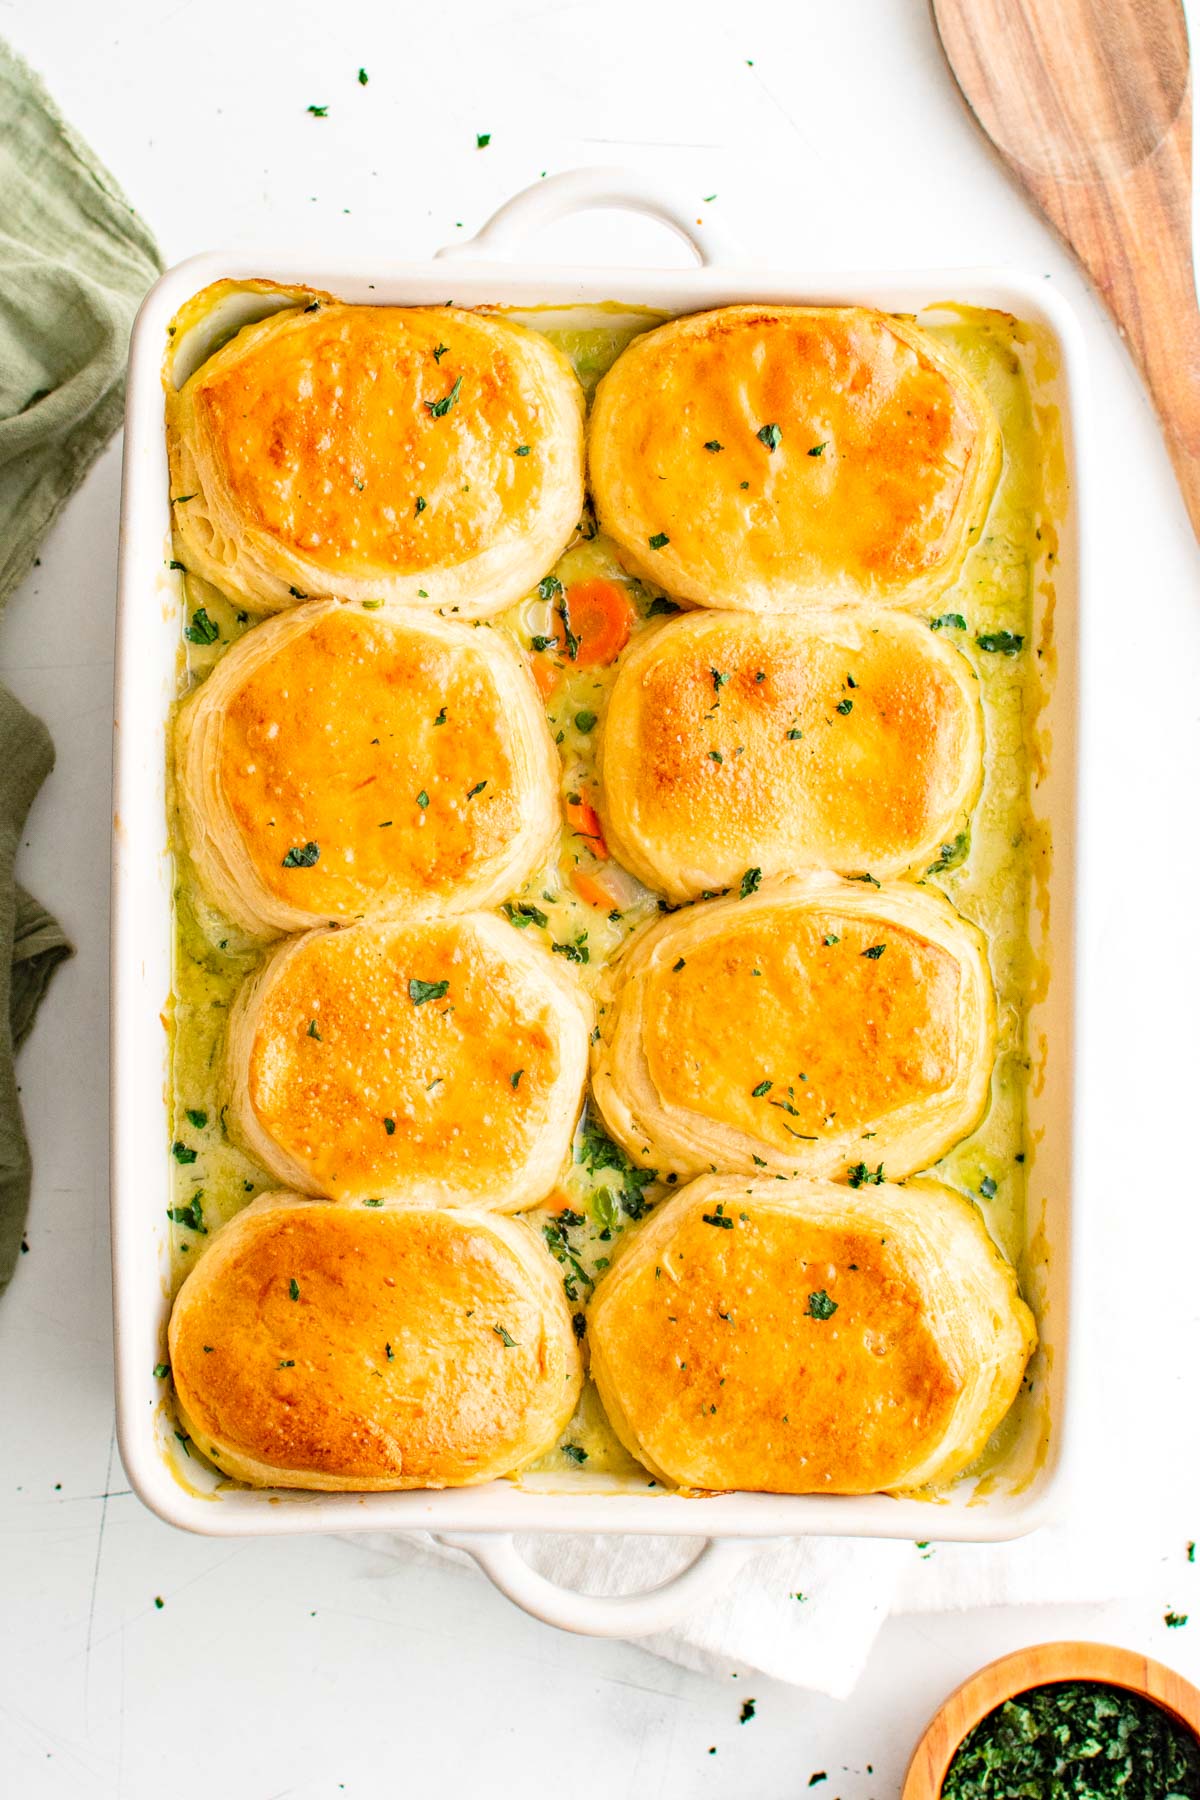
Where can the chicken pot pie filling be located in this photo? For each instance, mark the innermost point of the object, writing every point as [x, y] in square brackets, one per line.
[582, 905]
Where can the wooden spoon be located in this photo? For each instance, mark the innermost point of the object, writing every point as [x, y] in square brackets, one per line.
[1089, 103]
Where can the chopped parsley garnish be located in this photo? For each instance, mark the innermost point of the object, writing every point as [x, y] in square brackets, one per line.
[661, 605]
[584, 721]
[1006, 642]
[747, 1712]
[846, 705]
[293, 1289]
[873, 951]
[161, 1371]
[520, 913]
[569, 637]
[819, 449]
[420, 506]
[422, 799]
[482, 139]
[521, 450]
[182, 1152]
[829, 940]
[713, 445]
[514, 1079]
[770, 435]
[944, 620]
[951, 855]
[820, 1306]
[302, 856]
[439, 352]
[659, 541]
[681, 964]
[197, 1118]
[202, 629]
[577, 952]
[548, 587]
[389, 1353]
[715, 756]
[437, 409]
[751, 881]
[318, 112]
[596, 1151]
[764, 1087]
[859, 1175]
[313, 1032]
[718, 1219]
[421, 991]
[795, 732]
[1174, 1620]
[575, 1453]
[477, 789]
[191, 1215]
[296, 594]
[505, 1339]
[441, 718]
[389, 1125]
[987, 1188]
[540, 642]
[363, 78]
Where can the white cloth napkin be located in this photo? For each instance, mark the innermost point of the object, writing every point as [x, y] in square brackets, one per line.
[849, 1586]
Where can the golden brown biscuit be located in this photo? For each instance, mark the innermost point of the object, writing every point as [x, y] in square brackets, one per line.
[318, 1346]
[846, 738]
[423, 455]
[814, 1027]
[763, 458]
[341, 764]
[800, 1337]
[438, 1063]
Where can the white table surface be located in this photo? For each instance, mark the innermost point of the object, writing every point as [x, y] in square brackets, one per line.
[831, 138]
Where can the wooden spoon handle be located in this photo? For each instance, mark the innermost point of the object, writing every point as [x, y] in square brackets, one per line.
[1133, 234]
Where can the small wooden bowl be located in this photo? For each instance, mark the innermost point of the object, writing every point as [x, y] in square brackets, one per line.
[1031, 1668]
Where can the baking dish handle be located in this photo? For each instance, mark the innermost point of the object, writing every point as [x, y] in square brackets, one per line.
[604, 1615]
[587, 190]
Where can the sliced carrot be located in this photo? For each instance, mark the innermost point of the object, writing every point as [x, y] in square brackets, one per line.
[592, 891]
[545, 677]
[556, 1201]
[599, 617]
[581, 817]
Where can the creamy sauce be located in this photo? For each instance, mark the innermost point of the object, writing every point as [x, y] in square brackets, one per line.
[989, 879]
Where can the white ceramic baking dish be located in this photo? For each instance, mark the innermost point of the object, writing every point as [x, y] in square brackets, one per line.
[1031, 1485]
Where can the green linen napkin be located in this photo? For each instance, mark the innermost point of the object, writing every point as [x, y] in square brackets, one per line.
[74, 263]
